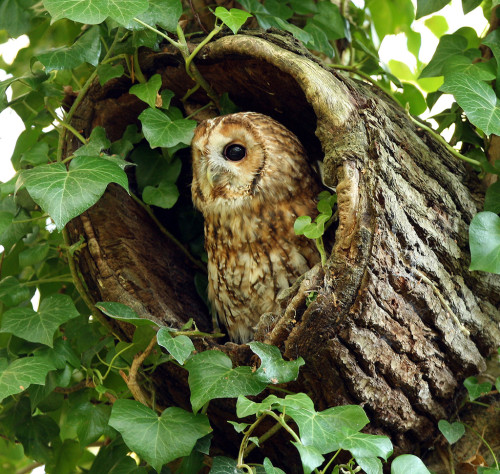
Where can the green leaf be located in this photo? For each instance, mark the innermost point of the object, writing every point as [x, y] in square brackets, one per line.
[478, 100]
[179, 347]
[426, 7]
[21, 373]
[476, 389]
[319, 40]
[233, 19]
[39, 326]
[451, 431]
[391, 17]
[484, 241]
[469, 5]
[211, 376]
[411, 95]
[164, 13]
[33, 255]
[11, 231]
[492, 199]
[448, 47]
[270, 469]
[364, 445]
[329, 20]
[158, 440]
[86, 49]
[92, 12]
[148, 91]
[122, 312]
[300, 224]
[96, 143]
[314, 231]
[36, 155]
[408, 463]
[309, 456]
[14, 17]
[106, 72]
[273, 369]
[321, 429]
[223, 465]
[463, 65]
[487, 470]
[299, 33]
[65, 194]
[159, 130]
[164, 196]
[246, 407]
[239, 427]
[91, 421]
[370, 465]
[12, 292]
[437, 24]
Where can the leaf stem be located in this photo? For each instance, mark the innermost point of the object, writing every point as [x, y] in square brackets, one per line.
[281, 420]
[443, 142]
[271, 432]
[485, 443]
[163, 35]
[244, 442]
[330, 462]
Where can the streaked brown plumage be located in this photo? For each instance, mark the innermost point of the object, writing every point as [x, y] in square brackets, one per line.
[251, 180]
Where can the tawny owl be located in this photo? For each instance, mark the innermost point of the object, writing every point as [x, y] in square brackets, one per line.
[251, 180]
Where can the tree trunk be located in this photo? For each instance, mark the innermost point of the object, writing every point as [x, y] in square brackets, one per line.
[399, 321]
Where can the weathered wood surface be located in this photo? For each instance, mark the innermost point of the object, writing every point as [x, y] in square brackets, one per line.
[399, 321]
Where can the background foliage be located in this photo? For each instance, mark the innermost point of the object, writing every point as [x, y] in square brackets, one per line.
[66, 383]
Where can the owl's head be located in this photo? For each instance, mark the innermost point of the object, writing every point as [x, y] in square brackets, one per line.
[243, 157]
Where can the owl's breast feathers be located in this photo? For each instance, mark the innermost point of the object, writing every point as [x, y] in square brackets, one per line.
[252, 256]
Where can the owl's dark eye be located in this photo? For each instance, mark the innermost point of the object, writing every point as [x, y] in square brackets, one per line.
[235, 152]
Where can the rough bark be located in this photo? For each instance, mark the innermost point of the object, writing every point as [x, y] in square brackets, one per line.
[399, 321]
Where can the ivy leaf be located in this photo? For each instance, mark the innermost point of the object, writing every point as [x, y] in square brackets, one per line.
[65, 194]
[21, 373]
[391, 17]
[12, 292]
[91, 421]
[449, 46]
[233, 19]
[364, 445]
[273, 369]
[492, 199]
[14, 17]
[106, 72]
[39, 326]
[122, 312]
[478, 100]
[301, 223]
[36, 155]
[223, 465]
[10, 230]
[451, 431]
[426, 7]
[96, 143]
[164, 13]
[270, 469]
[476, 389]
[32, 256]
[469, 5]
[408, 463]
[411, 95]
[370, 465]
[319, 40]
[329, 20]
[321, 429]
[86, 49]
[92, 12]
[164, 195]
[148, 92]
[311, 458]
[158, 440]
[179, 347]
[484, 241]
[160, 130]
[211, 376]
[246, 407]
[462, 64]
